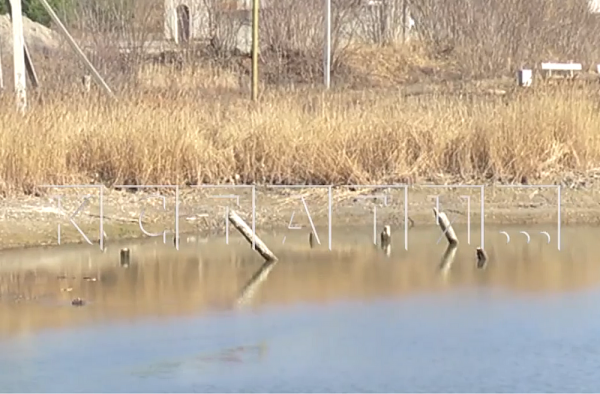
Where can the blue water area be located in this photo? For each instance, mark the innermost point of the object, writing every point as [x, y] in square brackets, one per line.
[465, 340]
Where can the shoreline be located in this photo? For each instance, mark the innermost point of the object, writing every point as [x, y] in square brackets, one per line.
[29, 221]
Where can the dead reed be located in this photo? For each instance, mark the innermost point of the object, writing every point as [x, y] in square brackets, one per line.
[156, 136]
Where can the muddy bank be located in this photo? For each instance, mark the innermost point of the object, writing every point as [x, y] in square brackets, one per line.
[34, 220]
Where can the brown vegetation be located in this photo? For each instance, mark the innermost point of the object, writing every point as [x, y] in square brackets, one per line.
[299, 137]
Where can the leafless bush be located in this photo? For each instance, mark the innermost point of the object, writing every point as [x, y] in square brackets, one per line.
[382, 21]
[228, 35]
[500, 35]
[300, 26]
[292, 29]
[116, 34]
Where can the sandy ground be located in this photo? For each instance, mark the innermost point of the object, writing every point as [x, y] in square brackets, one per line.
[34, 220]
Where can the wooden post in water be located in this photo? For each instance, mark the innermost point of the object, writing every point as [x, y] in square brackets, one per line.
[124, 257]
[446, 227]
[246, 231]
[481, 258]
[386, 240]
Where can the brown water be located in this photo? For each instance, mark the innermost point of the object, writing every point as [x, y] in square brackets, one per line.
[351, 319]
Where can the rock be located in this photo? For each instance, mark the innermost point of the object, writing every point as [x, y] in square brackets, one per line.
[40, 39]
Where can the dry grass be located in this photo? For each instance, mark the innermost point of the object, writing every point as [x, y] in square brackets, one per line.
[163, 135]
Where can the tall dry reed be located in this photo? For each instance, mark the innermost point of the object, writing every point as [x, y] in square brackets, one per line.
[298, 137]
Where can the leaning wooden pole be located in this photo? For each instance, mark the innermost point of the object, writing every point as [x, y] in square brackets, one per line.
[33, 78]
[446, 227]
[246, 231]
[76, 49]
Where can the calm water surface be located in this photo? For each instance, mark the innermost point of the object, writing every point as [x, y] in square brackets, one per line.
[212, 318]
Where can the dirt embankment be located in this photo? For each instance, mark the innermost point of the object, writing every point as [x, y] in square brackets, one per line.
[33, 221]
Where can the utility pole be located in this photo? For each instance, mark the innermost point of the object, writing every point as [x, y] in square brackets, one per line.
[255, 5]
[327, 54]
[1, 76]
[405, 20]
[28, 62]
[18, 55]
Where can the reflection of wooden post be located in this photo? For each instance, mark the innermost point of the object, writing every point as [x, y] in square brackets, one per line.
[448, 258]
[254, 283]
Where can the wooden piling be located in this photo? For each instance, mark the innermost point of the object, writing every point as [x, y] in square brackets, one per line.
[386, 240]
[386, 236]
[246, 231]
[125, 257]
[446, 227]
[481, 258]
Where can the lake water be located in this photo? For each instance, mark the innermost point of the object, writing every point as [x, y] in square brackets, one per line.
[347, 320]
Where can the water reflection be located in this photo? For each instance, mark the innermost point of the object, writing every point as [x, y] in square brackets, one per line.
[37, 286]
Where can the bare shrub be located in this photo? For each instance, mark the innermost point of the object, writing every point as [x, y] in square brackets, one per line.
[116, 35]
[495, 36]
[382, 21]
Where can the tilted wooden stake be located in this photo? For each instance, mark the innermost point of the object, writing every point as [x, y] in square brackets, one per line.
[446, 227]
[246, 231]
